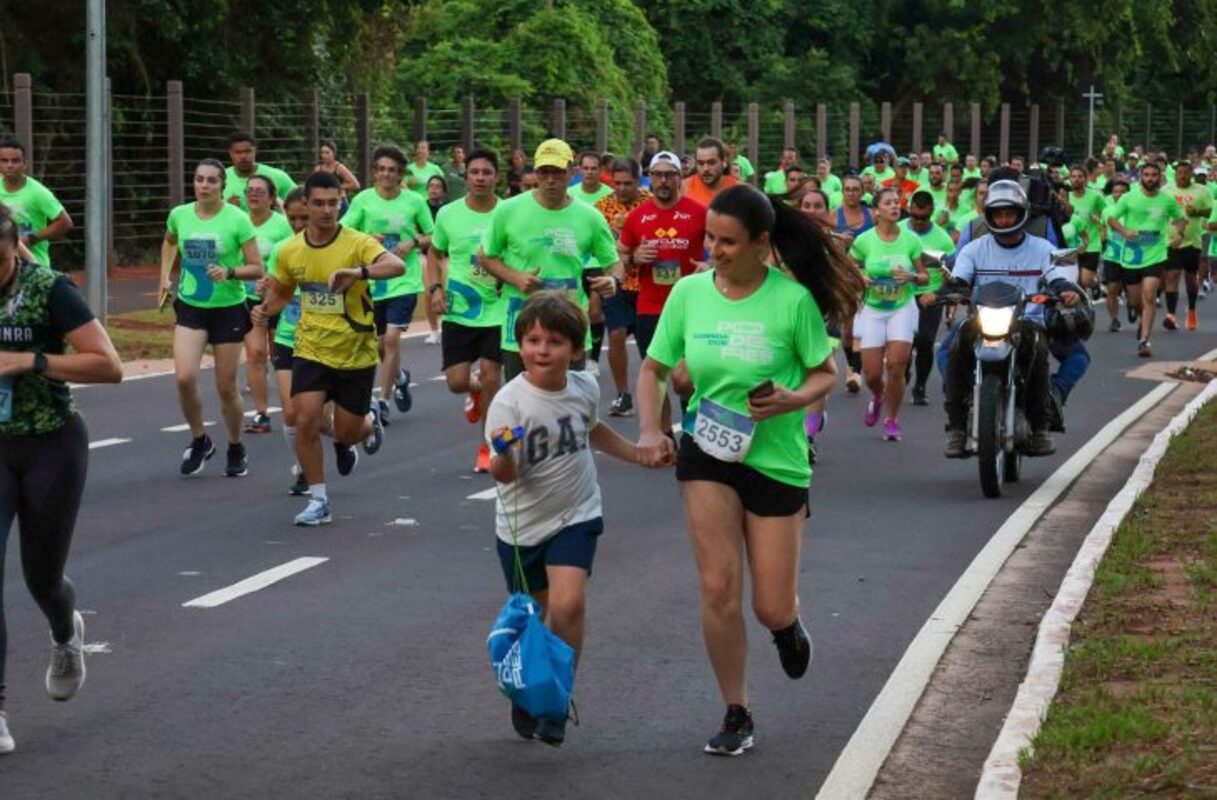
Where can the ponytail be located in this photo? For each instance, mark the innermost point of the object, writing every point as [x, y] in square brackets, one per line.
[807, 249]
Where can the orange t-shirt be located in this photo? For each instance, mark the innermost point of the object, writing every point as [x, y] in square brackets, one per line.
[696, 191]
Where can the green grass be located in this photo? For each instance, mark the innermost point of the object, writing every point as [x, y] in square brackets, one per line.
[1137, 710]
[142, 334]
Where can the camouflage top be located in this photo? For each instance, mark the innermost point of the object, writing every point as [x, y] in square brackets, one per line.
[37, 310]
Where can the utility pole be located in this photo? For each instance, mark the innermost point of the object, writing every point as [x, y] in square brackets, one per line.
[1092, 96]
[97, 212]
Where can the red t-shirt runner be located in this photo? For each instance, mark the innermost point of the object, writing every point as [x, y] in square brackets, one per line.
[681, 233]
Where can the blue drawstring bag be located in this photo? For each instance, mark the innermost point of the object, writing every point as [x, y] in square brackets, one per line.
[534, 668]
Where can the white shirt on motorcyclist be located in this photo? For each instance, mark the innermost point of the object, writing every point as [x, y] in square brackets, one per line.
[1023, 265]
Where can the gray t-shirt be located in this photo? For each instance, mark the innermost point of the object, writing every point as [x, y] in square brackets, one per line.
[556, 483]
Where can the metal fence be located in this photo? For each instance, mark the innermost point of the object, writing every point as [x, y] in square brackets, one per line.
[156, 139]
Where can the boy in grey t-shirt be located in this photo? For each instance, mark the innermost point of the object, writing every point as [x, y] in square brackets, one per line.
[542, 427]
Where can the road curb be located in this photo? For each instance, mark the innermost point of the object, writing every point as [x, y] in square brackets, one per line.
[1001, 776]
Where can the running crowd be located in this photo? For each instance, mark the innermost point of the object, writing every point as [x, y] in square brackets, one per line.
[736, 300]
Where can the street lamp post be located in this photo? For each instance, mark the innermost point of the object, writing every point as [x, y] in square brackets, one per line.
[1092, 96]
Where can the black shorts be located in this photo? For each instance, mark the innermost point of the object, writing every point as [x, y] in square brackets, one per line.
[464, 344]
[644, 331]
[350, 389]
[396, 311]
[573, 546]
[1089, 261]
[1112, 272]
[758, 493]
[1132, 277]
[224, 325]
[281, 357]
[1184, 258]
[271, 323]
[513, 365]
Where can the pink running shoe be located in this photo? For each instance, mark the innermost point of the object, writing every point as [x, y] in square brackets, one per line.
[872, 412]
[891, 430]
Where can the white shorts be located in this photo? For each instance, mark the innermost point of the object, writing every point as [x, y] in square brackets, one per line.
[877, 328]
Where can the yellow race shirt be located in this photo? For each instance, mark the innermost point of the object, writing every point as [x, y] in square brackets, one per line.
[336, 330]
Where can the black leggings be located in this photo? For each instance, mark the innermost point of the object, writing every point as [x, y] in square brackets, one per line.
[41, 481]
[929, 320]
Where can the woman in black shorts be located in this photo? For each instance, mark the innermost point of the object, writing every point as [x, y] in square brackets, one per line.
[44, 446]
[758, 354]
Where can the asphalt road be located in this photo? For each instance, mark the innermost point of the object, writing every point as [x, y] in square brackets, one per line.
[367, 675]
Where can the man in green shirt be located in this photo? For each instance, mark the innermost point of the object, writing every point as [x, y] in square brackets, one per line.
[544, 239]
[944, 151]
[1087, 207]
[970, 168]
[243, 153]
[737, 157]
[590, 189]
[929, 315]
[1144, 217]
[469, 300]
[401, 221]
[936, 186]
[40, 216]
[420, 170]
[1196, 203]
[775, 182]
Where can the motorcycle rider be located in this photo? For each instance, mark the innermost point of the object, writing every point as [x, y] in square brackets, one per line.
[1013, 256]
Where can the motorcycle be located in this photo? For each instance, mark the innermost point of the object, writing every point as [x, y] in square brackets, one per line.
[998, 431]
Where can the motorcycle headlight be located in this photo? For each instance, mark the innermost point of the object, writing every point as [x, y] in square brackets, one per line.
[995, 322]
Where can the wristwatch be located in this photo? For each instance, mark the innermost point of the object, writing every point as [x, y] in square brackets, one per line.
[232, 273]
[40, 364]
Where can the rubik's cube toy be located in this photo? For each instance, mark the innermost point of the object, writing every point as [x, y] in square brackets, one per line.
[506, 438]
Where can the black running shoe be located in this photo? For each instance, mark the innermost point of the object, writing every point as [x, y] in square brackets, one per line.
[736, 734]
[919, 396]
[196, 454]
[794, 648]
[347, 457]
[401, 391]
[551, 731]
[376, 438]
[382, 410]
[238, 462]
[523, 722]
[300, 487]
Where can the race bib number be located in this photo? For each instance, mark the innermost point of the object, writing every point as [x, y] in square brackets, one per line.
[316, 298]
[6, 398]
[665, 273]
[721, 432]
[567, 286]
[1148, 238]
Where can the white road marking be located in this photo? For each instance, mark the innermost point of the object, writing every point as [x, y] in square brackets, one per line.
[106, 443]
[859, 762]
[189, 573]
[488, 494]
[254, 583]
[403, 522]
[94, 648]
[440, 378]
[181, 428]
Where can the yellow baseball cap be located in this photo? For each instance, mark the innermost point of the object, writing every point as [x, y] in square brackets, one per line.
[553, 153]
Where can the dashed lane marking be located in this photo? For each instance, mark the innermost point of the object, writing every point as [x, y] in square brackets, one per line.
[254, 583]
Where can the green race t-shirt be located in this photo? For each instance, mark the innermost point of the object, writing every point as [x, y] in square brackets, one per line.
[473, 299]
[1113, 243]
[880, 177]
[556, 246]
[289, 317]
[731, 346]
[939, 195]
[234, 184]
[775, 182]
[1213, 241]
[878, 259]
[397, 219]
[591, 198]
[421, 175]
[33, 207]
[971, 172]
[1086, 212]
[1201, 202]
[946, 152]
[202, 242]
[933, 239]
[275, 229]
[1151, 218]
[831, 185]
[746, 170]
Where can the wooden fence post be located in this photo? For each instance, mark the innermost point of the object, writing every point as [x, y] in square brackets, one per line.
[557, 121]
[23, 113]
[1033, 138]
[716, 120]
[420, 119]
[754, 137]
[885, 121]
[821, 130]
[855, 126]
[640, 127]
[177, 143]
[1003, 141]
[515, 123]
[788, 128]
[976, 130]
[948, 123]
[363, 137]
[680, 133]
[918, 110]
[602, 124]
[467, 124]
[248, 112]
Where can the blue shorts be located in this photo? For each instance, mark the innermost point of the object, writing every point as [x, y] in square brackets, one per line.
[573, 546]
[619, 311]
[395, 311]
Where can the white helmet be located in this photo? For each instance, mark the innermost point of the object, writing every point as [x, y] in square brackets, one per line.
[1006, 194]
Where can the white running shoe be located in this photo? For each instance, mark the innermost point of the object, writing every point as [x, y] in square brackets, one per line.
[432, 338]
[7, 745]
[66, 673]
